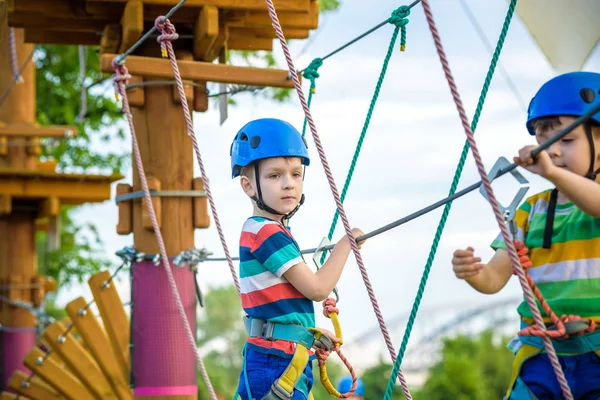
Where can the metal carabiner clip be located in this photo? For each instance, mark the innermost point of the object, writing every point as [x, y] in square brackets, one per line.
[317, 260]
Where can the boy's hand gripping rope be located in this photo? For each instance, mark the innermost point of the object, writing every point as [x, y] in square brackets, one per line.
[336, 196]
[494, 203]
[559, 332]
[330, 311]
[168, 34]
[121, 76]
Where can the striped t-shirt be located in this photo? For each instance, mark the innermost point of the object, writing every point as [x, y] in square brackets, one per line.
[267, 251]
[567, 274]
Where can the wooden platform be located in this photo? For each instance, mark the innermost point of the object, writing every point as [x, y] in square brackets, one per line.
[116, 24]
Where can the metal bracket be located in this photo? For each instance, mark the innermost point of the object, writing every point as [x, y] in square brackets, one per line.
[510, 211]
[317, 260]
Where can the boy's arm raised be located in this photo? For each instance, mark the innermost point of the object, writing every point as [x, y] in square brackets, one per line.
[583, 192]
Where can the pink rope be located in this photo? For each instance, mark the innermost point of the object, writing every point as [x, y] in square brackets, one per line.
[14, 63]
[336, 196]
[167, 35]
[121, 76]
[494, 203]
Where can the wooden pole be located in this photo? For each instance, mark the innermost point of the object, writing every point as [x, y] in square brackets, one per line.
[17, 247]
[162, 358]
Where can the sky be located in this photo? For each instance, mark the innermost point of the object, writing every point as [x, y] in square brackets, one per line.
[407, 160]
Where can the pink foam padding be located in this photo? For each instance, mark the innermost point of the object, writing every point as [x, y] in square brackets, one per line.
[15, 346]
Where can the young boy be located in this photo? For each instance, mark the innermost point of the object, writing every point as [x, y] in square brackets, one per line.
[278, 288]
[561, 228]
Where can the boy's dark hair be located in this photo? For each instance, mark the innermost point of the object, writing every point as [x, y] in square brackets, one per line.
[544, 124]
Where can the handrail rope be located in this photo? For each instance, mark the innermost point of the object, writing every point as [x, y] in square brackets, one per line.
[454, 185]
[122, 75]
[14, 62]
[292, 70]
[494, 203]
[16, 79]
[168, 35]
[400, 19]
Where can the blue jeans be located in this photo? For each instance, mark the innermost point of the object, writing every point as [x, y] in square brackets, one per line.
[263, 370]
[582, 372]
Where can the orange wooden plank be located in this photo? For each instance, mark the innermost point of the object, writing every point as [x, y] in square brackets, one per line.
[280, 5]
[55, 37]
[197, 70]
[34, 388]
[132, 24]
[206, 30]
[95, 339]
[56, 376]
[26, 130]
[113, 316]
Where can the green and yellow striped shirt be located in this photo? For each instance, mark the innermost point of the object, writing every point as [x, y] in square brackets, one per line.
[567, 274]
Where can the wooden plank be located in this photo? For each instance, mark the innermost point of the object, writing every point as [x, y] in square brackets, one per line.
[136, 95]
[125, 222]
[5, 204]
[3, 146]
[196, 70]
[35, 388]
[54, 37]
[206, 30]
[79, 361]
[111, 38]
[200, 97]
[218, 45]
[113, 316]
[59, 378]
[10, 396]
[34, 146]
[153, 184]
[269, 33]
[73, 24]
[200, 206]
[250, 44]
[54, 8]
[254, 19]
[49, 207]
[280, 5]
[132, 24]
[95, 338]
[26, 130]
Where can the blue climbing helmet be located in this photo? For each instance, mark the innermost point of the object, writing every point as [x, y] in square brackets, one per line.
[266, 138]
[345, 384]
[571, 94]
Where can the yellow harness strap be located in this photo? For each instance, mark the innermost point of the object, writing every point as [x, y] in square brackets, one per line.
[294, 370]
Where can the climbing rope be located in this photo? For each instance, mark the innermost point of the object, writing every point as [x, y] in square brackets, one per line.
[311, 73]
[493, 202]
[336, 196]
[14, 63]
[399, 18]
[167, 35]
[121, 76]
[453, 186]
[559, 332]
[82, 75]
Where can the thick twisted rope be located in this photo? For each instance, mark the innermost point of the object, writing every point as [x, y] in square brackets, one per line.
[14, 62]
[336, 196]
[167, 35]
[494, 203]
[121, 76]
[453, 187]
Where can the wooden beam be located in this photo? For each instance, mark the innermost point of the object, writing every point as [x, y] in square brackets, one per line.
[218, 45]
[35, 389]
[54, 37]
[37, 21]
[132, 24]
[250, 44]
[125, 221]
[54, 8]
[196, 70]
[111, 38]
[10, 396]
[26, 130]
[206, 30]
[59, 378]
[252, 19]
[280, 5]
[5, 204]
[269, 33]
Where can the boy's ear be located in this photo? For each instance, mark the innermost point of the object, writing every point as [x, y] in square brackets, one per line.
[247, 186]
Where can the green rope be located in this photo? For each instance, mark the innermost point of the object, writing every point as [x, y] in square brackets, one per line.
[398, 18]
[311, 73]
[457, 174]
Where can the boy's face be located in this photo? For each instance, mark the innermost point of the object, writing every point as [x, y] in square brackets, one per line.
[572, 152]
[281, 183]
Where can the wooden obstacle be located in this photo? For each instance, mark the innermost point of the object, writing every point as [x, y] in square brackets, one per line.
[88, 360]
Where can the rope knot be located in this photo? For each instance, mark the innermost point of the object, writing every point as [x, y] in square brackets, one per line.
[329, 307]
[400, 19]
[121, 76]
[168, 33]
[311, 72]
